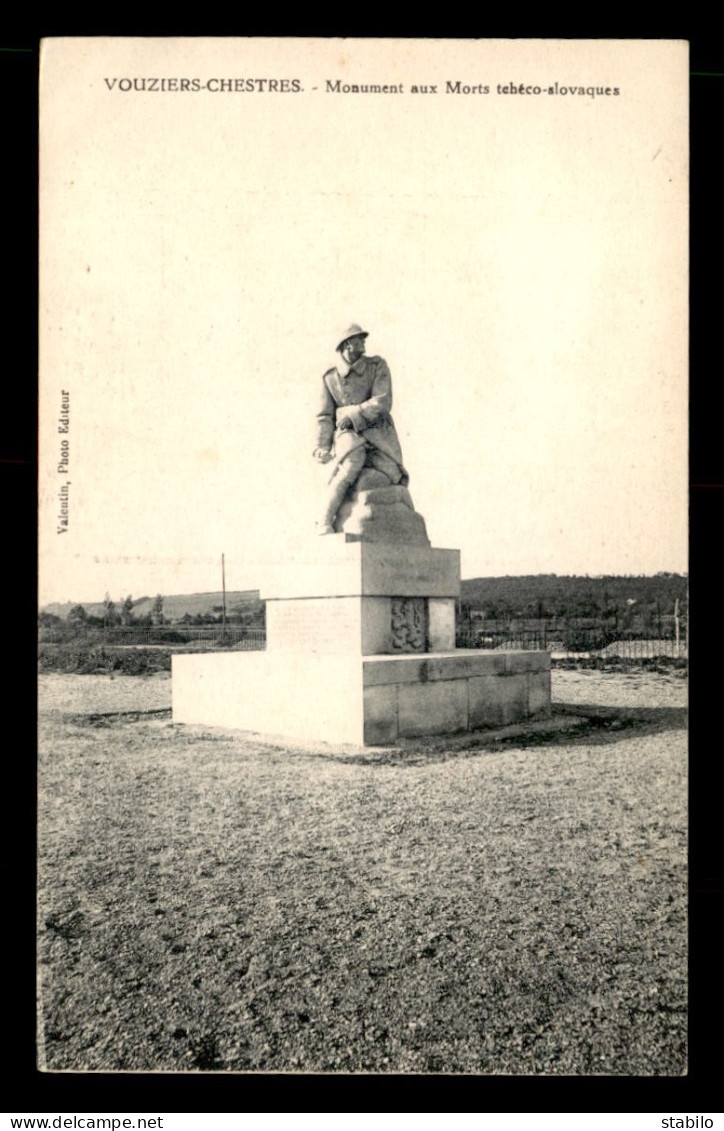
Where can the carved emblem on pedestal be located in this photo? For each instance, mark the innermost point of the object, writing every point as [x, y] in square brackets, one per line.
[408, 624]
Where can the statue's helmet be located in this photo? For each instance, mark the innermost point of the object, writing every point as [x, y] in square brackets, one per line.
[353, 331]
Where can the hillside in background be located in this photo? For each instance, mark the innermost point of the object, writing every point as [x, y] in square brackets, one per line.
[550, 595]
[174, 607]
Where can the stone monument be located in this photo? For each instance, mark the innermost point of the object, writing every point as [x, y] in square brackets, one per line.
[361, 625]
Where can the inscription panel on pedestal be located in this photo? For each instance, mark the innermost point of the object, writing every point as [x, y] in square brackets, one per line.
[325, 626]
[409, 624]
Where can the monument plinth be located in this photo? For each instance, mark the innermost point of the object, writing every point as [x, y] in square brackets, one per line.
[346, 595]
[361, 649]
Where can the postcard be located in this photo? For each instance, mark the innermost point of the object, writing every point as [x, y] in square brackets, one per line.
[501, 226]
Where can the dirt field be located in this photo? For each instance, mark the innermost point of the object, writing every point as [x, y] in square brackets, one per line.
[507, 905]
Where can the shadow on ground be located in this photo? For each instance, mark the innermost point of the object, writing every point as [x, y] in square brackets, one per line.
[569, 725]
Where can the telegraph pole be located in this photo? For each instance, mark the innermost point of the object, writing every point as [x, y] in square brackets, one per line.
[223, 598]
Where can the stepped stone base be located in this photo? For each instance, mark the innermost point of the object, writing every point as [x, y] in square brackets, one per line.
[361, 650]
[364, 700]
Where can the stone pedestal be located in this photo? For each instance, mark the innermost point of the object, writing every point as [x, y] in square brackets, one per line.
[364, 598]
[364, 700]
[361, 649]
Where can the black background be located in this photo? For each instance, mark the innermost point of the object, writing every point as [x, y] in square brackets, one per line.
[30, 1091]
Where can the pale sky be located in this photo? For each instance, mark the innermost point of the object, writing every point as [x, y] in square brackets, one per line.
[519, 261]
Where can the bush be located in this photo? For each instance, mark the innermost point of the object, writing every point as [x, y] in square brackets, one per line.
[579, 639]
[94, 660]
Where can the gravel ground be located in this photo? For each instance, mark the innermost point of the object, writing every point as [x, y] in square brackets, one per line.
[209, 902]
[636, 688]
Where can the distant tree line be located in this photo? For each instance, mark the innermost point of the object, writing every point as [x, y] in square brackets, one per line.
[111, 618]
[621, 602]
[250, 614]
[549, 596]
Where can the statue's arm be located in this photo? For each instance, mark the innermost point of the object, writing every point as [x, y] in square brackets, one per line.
[379, 403]
[326, 415]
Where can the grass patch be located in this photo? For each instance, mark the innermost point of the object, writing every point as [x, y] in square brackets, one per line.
[78, 658]
[102, 659]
